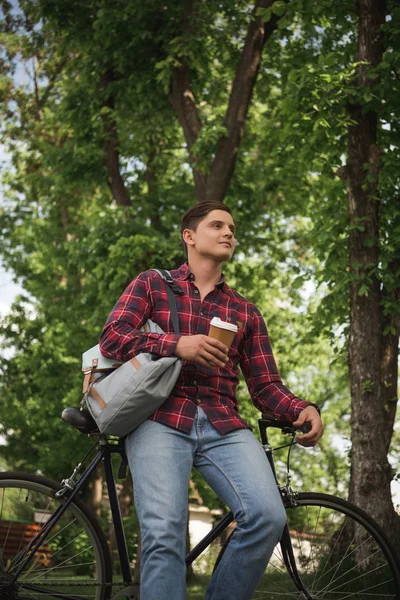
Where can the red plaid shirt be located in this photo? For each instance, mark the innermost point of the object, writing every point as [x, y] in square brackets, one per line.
[213, 389]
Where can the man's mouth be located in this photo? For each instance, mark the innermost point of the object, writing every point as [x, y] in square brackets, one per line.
[226, 244]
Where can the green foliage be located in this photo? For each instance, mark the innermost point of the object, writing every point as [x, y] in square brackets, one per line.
[74, 250]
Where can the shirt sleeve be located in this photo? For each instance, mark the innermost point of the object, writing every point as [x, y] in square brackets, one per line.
[259, 368]
[121, 337]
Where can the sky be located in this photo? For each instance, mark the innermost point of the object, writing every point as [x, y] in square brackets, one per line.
[8, 289]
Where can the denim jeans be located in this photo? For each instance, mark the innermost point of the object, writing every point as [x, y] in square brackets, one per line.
[236, 468]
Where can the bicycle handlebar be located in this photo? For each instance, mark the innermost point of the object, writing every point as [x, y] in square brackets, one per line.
[285, 426]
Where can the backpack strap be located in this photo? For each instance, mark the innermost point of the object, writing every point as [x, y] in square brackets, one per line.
[172, 288]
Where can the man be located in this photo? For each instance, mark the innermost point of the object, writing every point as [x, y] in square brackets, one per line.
[199, 424]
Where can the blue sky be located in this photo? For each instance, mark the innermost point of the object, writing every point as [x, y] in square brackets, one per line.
[8, 289]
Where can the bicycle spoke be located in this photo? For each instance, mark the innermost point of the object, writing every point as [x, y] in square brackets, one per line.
[315, 529]
[54, 594]
[279, 557]
[358, 564]
[357, 578]
[338, 556]
[332, 552]
[68, 563]
[66, 546]
[285, 594]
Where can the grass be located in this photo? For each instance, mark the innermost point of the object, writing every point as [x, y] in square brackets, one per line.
[197, 587]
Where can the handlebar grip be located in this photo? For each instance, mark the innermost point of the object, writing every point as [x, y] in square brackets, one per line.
[305, 428]
[284, 426]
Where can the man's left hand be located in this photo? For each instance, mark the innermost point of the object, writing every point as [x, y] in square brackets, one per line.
[309, 415]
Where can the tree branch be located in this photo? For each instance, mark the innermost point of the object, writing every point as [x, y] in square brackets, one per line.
[215, 185]
[111, 143]
[39, 112]
[184, 104]
[52, 81]
[246, 75]
[40, 101]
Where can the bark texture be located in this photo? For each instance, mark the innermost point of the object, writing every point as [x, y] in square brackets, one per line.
[372, 355]
[111, 143]
[214, 185]
[95, 497]
[184, 103]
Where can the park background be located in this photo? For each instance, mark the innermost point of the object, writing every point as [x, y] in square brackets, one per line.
[116, 117]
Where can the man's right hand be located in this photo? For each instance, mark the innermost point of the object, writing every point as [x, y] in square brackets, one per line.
[203, 350]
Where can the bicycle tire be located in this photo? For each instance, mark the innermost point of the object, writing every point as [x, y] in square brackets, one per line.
[341, 553]
[74, 559]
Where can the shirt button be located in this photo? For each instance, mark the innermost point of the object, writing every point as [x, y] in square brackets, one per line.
[198, 401]
[194, 382]
[164, 352]
[196, 291]
[202, 314]
[228, 319]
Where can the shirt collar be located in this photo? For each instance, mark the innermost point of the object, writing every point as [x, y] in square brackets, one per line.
[185, 274]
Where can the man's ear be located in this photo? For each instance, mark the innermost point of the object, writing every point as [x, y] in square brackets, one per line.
[188, 236]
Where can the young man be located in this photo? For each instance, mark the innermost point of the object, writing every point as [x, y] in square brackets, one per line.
[199, 424]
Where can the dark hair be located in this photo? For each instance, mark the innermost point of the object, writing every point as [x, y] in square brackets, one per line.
[195, 214]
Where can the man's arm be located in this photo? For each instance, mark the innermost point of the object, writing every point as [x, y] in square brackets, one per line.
[266, 389]
[121, 337]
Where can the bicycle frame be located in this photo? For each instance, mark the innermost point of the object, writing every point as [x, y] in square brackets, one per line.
[71, 488]
[286, 494]
[286, 543]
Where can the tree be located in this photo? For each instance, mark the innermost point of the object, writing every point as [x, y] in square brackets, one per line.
[375, 279]
[121, 127]
[339, 94]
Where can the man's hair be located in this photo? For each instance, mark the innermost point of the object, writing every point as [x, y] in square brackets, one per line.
[195, 214]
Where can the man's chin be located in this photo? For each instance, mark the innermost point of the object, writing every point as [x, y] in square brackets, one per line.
[220, 255]
[225, 255]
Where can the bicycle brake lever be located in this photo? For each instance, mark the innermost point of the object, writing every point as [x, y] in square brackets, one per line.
[305, 428]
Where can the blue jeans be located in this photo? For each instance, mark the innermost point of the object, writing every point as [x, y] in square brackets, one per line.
[236, 468]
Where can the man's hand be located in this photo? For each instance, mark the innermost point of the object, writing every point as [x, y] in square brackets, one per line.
[311, 416]
[203, 350]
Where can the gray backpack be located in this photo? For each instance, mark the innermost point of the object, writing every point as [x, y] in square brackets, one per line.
[120, 396]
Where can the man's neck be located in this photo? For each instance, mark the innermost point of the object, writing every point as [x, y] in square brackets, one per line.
[207, 272]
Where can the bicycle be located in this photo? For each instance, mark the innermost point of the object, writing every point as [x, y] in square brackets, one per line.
[52, 547]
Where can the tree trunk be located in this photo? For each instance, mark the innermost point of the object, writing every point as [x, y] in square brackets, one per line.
[111, 143]
[214, 186]
[150, 177]
[372, 355]
[96, 491]
[224, 162]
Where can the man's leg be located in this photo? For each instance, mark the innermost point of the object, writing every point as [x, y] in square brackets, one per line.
[160, 459]
[237, 469]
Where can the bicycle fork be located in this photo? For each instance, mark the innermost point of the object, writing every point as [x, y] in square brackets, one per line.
[290, 563]
[286, 542]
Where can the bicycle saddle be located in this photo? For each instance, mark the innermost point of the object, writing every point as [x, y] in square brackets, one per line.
[80, 419]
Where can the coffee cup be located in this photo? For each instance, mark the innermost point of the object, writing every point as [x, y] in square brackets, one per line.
[223, 331]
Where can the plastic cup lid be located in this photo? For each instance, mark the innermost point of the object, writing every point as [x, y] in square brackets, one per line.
[216, 322]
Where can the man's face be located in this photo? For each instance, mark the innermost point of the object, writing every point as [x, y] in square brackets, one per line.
[214, 236]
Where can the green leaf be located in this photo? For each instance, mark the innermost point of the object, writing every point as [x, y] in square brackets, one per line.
[265, 14]
[279, 7]
[363, 290]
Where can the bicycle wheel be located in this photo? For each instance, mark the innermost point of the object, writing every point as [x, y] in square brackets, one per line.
[340, 552]
[73, 560]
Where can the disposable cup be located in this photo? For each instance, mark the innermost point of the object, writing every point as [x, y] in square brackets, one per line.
[223, 331]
